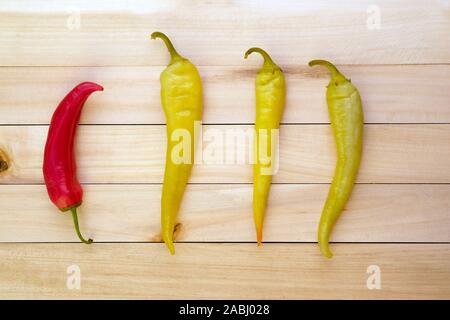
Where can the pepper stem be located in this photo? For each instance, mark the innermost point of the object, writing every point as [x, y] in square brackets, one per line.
[77, 227]
[335, 73]
[267, 59]
[173, 53]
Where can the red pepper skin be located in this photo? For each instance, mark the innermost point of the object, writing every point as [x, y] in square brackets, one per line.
[59, 167]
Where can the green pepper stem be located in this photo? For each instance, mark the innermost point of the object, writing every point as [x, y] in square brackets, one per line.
[173, 53]
[335, 73]
[267, 59]
[77, 227]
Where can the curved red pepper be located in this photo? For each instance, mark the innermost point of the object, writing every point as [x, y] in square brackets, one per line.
[59, 168]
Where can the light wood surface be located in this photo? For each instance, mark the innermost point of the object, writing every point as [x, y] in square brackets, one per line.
[36, 32]
[377, 213]
[397, 218]
[227, 271]
[390, 94]
[404, 153]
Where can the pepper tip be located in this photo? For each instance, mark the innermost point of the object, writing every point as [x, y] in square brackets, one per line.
[90, 86]
[325, 249]
[171, 247]
[167, 238]
[259, 236]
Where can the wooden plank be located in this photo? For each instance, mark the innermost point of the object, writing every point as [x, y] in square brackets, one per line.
[391, 94]
[42, 33]
[223, 271]
[135, 154]
[376, 213]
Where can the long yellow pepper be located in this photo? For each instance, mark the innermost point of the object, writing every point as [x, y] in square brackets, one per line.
[347, 120]
[181, 97]
[270, 89]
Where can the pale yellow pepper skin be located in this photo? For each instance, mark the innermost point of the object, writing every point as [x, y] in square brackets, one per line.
[181, 98]
[270, 90]
[347, 121]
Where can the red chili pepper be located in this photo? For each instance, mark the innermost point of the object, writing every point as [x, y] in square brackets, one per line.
[63, 186]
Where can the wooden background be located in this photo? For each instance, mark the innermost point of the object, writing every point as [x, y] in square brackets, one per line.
[398, 216]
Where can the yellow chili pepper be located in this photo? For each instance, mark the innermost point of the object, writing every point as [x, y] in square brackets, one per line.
[181, 97]
[347, 121]
[270, 89]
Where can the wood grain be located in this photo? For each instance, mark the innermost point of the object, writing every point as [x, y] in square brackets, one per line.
[375, 213]
[135, 154]
[401, 67]
[42, 33]
[224, 271]
[391, 94]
